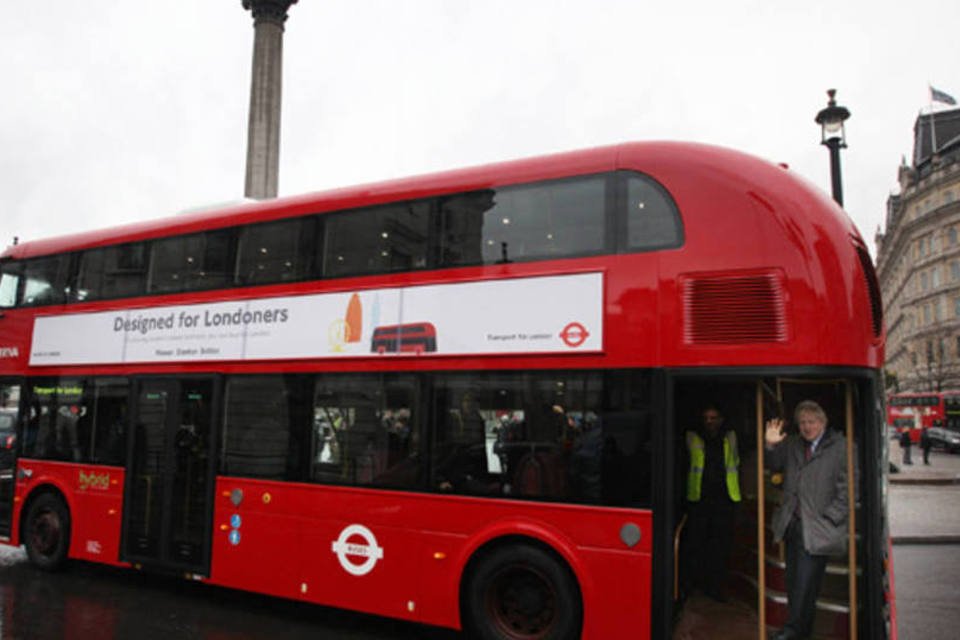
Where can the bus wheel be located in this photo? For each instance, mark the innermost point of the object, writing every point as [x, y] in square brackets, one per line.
[522, 592]
[46, 532]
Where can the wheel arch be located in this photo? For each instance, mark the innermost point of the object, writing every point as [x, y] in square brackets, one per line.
[506, 534]
[44, 488]
[479, 553]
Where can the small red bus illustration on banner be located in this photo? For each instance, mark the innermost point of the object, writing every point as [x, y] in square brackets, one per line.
[574, 334]
[417, 337]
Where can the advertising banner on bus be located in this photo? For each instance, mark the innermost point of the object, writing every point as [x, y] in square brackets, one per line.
[550, 314]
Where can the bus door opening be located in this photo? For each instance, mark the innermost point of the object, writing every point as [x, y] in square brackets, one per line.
[848, 406]
[730, 576]
[715, 543]
[9, 419]
[167, 520]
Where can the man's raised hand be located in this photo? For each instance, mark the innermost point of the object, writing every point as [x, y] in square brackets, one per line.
[774, 434]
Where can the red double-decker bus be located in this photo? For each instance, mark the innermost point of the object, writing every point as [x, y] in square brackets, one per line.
[199, 394]
[916, 411]
[416, 337]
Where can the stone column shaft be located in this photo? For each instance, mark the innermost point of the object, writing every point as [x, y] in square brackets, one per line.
[263, 131]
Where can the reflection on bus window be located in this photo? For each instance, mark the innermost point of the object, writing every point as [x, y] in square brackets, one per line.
[110, 420]
[543, 435]
[364, 431]
[9, 283]
[112, 272]
[257, 427]
[58, 424]
[279, 251]
[376, 240]
[194, 262]
[552, 220]
[652, 218]
[45, 280]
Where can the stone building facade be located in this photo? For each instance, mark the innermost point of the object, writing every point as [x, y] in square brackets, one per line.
[918, 261]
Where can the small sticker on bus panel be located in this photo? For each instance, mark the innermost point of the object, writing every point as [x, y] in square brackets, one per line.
[235, 521]
[234, 537]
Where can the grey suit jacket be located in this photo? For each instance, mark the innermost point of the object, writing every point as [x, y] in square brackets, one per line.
[820, 487]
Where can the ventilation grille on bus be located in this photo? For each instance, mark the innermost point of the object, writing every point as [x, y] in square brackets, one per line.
[734, 309]
[873, 288]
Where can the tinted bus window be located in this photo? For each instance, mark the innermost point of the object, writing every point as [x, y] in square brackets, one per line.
[365, 431]
[258, 428]
[537, 222]
[45, 280]
[461, 222]
[652, 219]
[378, 240]
[277, 251]
[565, 436]
[9, 284]
[112, 272]
[528, 222]
[58, 423]
[193, 262]
[109, 420]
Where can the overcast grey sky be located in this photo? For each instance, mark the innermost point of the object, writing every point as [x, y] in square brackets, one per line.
[119, 110]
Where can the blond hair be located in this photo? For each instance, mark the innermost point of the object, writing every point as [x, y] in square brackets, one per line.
[811, 407]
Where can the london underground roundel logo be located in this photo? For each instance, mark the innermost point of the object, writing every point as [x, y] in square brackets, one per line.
[574, 334]
[356, 541]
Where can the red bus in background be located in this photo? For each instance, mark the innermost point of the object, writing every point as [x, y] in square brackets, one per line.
[219, 394]
[921, 410]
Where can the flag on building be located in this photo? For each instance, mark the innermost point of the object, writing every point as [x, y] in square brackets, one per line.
[939, 96]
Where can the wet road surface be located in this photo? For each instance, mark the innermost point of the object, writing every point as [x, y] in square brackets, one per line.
[88, 601]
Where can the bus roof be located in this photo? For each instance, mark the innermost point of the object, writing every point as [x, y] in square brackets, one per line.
[679, 166]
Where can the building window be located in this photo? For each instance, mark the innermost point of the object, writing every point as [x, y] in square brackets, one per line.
[924, 282]
[935, 277]
[952, 236]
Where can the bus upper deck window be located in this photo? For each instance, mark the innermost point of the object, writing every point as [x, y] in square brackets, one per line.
[278, 251]
[9, 282]
[381, 239]
[653, 221]
[539, 221]
[112, 272]
[549, 220]
[45, 280]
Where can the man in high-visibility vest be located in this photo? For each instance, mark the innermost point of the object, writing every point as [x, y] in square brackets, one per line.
[713, 492]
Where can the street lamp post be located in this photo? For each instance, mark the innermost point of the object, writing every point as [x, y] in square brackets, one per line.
[834, 136]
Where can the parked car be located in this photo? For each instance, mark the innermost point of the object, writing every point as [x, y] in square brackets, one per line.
[947, 439]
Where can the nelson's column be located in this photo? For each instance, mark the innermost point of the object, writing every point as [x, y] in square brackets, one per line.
[263, 132]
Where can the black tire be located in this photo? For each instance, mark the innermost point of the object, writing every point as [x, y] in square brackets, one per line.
[521, 592]
[46, 532]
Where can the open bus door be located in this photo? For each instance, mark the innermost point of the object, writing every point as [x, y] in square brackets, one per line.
[756, 584]
[170, 474]
[9, 422]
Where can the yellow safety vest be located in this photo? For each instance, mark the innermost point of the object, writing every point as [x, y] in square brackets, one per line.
[731, 461]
